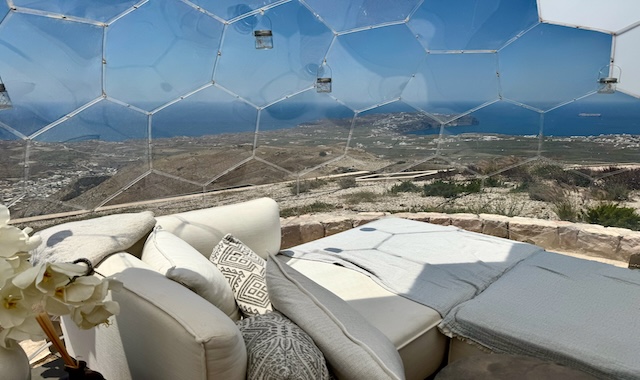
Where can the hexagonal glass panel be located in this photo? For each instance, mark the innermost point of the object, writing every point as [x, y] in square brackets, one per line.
[229, 9]
[49, 67]
[347, 15]
[614, 183]
[441, 84]
[203, 135]
[627, 56]
[492, 138]
[4, 9]
[253, 172]
[597, 129]
[11, 167]
[612, 15]
[99, 10]
[90, 156]
[176, 48]
[372, 67]
[471, 25]
[300, 42]
[392, 138]
[33, 204]
[303, 131]
[154, 186]
[553, 64]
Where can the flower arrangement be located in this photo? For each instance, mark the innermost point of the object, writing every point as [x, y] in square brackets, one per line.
[29, 294]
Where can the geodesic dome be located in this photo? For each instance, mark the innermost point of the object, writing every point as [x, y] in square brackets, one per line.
[116, 101]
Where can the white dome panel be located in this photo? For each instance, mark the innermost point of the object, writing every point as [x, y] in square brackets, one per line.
[609, 15]
[627, 56]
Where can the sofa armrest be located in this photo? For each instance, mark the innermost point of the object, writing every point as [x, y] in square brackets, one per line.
[163, 331]
[256, 223]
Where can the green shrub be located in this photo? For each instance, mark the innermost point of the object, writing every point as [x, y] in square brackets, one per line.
[441, 188]
[493, 182]
[360, 196]
[630, 178]
[405, 187]
[519, 174]
[474, 186]
[306, 186]
[567, 210]
[347, 182]
[447, 189]
[612, 191]
[560, 175]
[307, 209]
[613, 215]
[546, 193]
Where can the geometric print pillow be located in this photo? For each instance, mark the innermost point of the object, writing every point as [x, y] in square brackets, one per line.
[277, 349]
[245, 271]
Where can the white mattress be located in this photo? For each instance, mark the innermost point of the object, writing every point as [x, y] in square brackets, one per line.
[576, 312]
[436, 266]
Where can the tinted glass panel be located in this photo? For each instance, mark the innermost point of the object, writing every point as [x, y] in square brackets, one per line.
[99, 10]
[49, 67]
[346, 15]
[533, 66]
[472, 24]
[263, 76]
[175, 48]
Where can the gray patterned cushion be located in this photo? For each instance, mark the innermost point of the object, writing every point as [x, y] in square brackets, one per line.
[245, 271]
[278, 349]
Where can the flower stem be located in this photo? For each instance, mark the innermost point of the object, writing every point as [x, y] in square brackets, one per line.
[49, 330]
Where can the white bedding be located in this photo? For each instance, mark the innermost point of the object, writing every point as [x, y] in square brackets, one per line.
[575, 312]
[437, 266]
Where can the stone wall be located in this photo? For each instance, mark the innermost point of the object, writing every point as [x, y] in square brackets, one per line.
[585, 239]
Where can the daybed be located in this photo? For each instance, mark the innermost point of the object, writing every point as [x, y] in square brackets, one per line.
[169, 328]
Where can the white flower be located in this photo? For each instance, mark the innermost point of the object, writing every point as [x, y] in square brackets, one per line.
[91, 315]
[13, 239]
[48, 278]
[10, 266]
[15, 306]
[57, 288]
[29, 329]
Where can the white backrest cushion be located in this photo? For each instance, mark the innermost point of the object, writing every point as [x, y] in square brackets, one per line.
[256, 223]
[353, 348]
[163, 331]
[180, 262]
[93, 239]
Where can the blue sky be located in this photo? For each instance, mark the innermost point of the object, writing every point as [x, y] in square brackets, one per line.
[165, 50]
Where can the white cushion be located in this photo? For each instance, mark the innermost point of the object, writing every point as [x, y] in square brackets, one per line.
[245, 272]
[410, 326]
[163, 331]
[353, 348]
[180, 262]
[93, 239]
[255, 222]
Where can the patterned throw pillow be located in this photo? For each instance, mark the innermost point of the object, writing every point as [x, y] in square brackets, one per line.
[278, 349]
[245, 271]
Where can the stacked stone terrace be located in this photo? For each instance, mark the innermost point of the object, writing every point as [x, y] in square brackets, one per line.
[608, 243]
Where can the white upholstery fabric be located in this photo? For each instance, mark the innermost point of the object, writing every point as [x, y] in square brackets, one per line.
[575, 312]
[410, 326]
[354, 349]
[437, 266]
[93, 239]
[256, 223]
[180, 262]
[164, 331]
